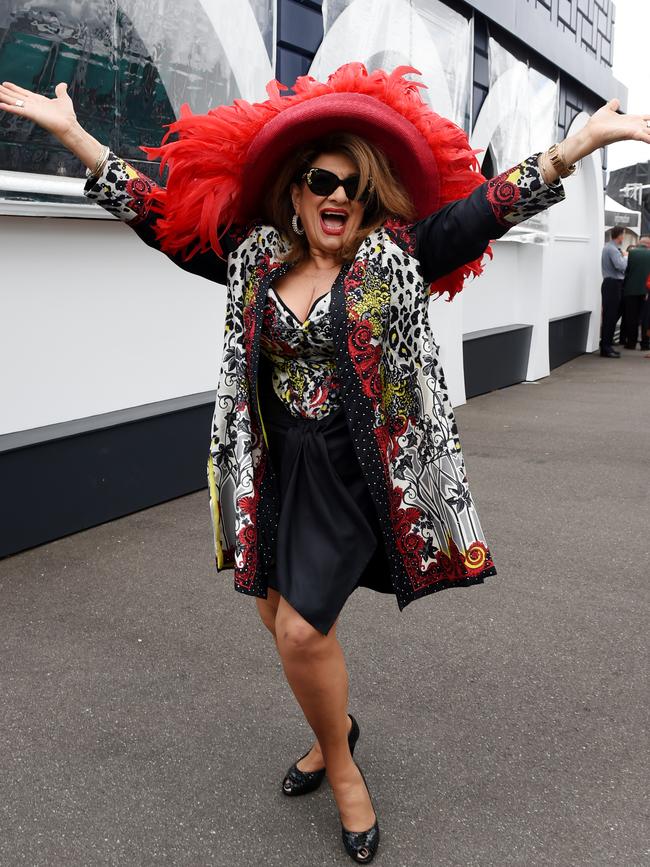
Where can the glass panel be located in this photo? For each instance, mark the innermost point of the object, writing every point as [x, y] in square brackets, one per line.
[524, 102]
[425, 34]
[129, 67]
[40, 46]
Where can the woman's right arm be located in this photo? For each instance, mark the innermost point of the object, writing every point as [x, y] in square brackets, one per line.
[113, 183]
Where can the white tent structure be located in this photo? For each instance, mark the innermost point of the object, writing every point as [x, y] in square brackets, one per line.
[617, 215]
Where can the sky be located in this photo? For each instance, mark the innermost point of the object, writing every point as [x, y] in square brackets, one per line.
[632, 68]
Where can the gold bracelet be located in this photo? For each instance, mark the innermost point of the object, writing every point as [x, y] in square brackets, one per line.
[558, 162]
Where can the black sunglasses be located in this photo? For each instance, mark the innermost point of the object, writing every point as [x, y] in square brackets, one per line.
[323, 183]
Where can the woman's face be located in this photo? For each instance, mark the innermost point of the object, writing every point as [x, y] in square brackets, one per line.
[329, 221]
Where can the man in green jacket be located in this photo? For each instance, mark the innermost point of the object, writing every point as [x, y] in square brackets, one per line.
[635, 290]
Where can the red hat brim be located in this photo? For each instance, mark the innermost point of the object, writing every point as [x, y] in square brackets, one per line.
[403, 144]
[221, 163]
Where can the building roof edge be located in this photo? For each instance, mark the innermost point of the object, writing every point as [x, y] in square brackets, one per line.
[550, 42]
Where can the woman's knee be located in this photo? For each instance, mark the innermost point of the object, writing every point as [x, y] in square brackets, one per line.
[297, 637]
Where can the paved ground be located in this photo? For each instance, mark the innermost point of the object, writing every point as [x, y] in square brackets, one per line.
[144, 719]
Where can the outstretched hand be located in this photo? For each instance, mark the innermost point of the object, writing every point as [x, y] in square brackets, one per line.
[606, 126]
[56, 115]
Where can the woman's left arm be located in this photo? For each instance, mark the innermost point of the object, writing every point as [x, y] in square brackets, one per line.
[460, 232]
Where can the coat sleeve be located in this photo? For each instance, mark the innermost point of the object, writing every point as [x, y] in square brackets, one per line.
[461, 231]
[121, 190]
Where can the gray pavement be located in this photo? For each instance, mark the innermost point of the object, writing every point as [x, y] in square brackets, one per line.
[144, 719]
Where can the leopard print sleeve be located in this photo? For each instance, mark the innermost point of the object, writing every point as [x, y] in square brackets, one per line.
[521, 192]
[461, 231]
[123, 191]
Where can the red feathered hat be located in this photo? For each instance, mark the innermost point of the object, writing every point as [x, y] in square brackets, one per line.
[222, 163]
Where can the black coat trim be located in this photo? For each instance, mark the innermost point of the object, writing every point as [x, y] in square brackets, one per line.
[359, 416]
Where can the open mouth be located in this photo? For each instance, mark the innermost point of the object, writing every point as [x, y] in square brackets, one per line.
[333, 221]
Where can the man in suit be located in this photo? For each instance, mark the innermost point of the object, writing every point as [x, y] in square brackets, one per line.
[613, 268]
[635, 290]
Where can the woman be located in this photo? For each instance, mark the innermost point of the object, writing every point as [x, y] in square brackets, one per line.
[335, 460]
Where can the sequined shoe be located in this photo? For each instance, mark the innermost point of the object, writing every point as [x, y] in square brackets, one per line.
[362, 846]
[297, 782]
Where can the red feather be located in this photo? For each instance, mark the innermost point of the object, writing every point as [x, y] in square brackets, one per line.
[207, 158]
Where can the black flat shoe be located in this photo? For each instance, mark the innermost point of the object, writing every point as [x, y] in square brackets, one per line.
[362, 846]
[297, 782]
[609, 353]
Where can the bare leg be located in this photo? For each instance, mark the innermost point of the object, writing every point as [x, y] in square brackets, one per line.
[315, 669]
[268, 609]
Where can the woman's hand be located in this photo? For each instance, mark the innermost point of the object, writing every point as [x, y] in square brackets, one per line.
[606, 126]
[55, 115]
[603, 128]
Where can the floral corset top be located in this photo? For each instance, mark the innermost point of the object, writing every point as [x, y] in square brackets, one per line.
[302, 355]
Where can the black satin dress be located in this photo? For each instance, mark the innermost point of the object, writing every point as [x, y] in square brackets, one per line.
[329, 540]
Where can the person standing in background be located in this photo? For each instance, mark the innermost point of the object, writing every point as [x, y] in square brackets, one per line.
[621, 307]
[645, 320]
[613, 264]
[635, 290]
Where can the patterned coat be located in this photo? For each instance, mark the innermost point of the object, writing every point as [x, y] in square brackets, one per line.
[393, 388]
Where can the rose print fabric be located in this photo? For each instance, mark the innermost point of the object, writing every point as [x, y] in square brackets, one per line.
[382, 367]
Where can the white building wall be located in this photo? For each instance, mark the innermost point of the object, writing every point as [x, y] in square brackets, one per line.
[578, 228]
[94, 321]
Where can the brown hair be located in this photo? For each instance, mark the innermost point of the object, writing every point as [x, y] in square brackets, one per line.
[388, 197]
[617, 231]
